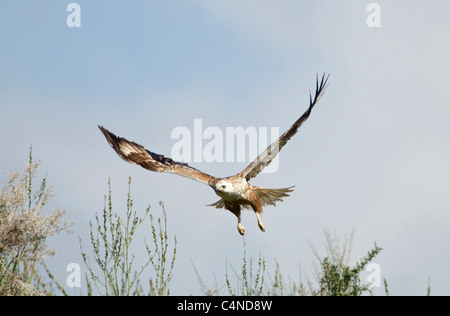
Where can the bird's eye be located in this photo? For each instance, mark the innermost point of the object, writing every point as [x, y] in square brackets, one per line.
[224, 186]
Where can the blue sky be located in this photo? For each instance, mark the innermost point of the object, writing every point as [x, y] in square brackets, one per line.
[373, 157]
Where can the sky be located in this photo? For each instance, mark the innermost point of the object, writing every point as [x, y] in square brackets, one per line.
[373, 157]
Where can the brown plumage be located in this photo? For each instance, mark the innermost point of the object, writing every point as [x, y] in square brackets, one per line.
[235, 191]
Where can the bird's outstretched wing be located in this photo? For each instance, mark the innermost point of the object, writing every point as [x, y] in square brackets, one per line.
[137, 154]
[272, 151]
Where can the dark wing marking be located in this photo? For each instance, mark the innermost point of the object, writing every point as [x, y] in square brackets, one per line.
[137, 154]
[272, 151]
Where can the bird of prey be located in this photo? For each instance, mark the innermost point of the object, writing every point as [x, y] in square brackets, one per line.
[236, 192]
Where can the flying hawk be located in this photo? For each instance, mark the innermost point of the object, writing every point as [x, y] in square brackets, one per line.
[235, 191]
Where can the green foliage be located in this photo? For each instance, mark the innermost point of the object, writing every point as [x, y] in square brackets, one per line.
[247, 284]
[111, 239]
[158, 257]
[338, 279]
[24, 229]
[334, 276]
[278, 286]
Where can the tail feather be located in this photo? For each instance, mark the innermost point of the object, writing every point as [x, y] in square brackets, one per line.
[271, 196]
[267, 196]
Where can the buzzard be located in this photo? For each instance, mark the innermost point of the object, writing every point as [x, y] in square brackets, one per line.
[235, 191]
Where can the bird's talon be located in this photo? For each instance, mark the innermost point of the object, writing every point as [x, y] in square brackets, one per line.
[241, 229]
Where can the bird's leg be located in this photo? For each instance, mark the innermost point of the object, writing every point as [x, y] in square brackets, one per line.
[236, 210]
[240, 228]
[260, 223]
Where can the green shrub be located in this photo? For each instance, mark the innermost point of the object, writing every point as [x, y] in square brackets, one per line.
[24, 229]
[111, 239]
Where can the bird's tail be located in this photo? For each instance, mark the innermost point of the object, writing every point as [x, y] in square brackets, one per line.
[267, 196]
[271, 196]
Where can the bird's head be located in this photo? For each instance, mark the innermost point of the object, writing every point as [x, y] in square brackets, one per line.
[224, 186]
